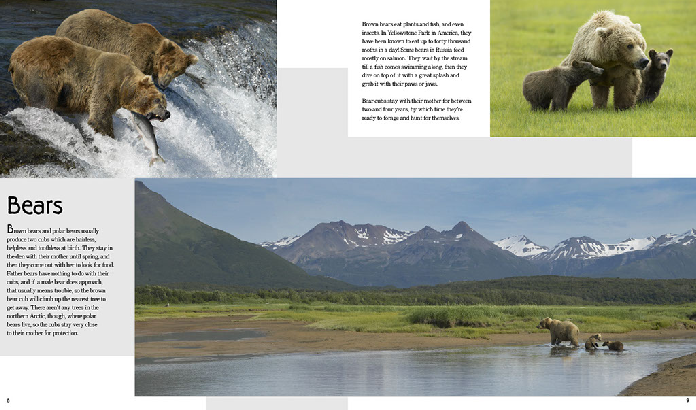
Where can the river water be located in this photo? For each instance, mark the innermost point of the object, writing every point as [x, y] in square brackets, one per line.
[487, 371]
[223, 113]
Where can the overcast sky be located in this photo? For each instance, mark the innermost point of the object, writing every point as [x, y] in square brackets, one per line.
[546, 210]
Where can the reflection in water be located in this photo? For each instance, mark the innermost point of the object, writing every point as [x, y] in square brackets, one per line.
[562, 351]
[499, 371]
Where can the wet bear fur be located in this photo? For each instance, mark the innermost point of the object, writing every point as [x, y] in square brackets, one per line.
[59, 74]
[151, 52]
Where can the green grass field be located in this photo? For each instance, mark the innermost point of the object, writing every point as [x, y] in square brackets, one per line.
[529, 36]
[453, 321]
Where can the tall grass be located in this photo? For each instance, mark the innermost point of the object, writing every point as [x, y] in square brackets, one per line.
[454, 321]
[529, 36]
[591, 319]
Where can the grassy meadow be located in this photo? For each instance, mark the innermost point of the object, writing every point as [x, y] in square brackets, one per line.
[476, 321]
[529, 36]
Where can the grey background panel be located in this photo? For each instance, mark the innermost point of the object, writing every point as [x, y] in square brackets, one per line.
[313, 142]
[285, 403]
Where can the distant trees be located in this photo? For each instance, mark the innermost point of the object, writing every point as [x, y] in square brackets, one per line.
[533, 290]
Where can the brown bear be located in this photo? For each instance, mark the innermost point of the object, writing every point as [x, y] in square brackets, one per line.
[615, 44]
[57, 73]
[591, 341]
[618, 346]
[560, 331]
[654, 76]
[151, 52]
[556, 84]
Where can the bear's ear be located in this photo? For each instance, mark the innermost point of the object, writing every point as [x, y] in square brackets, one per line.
[191, 59]
[168, 46]
[576, 64]
[636, 26]
[603, 32]
[669, 53]
[652, 53]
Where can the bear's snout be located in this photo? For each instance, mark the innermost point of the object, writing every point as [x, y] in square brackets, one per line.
[166, 115]
[663, 66]
[642, 63]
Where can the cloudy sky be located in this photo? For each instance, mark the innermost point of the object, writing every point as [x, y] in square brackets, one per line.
[546, 210]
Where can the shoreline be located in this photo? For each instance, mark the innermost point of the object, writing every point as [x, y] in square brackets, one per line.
[283, 337]
[676, 377]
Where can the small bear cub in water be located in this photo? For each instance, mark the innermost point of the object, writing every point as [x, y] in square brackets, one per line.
[654, 76]
[591, 341]
[557, 84]
[618, 346]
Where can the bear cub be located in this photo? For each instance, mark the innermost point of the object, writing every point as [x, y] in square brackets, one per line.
[617, 346]
[557, 84]
[654, 76]
[591, 342]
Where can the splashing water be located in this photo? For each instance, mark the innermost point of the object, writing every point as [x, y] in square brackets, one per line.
[222, 124]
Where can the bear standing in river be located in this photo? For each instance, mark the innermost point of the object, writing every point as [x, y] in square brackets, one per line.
[151, 52]
[615, 44]
[57, 73]
[557, 84]
[560, 331]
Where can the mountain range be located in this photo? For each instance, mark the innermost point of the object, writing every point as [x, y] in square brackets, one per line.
[665, 257]
[375, 255]
[172, 248]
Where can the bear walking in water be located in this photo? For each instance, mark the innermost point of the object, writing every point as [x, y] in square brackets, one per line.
[151, 52]
[557, 84]
[654, 76]
[560, 331]
[615, 44]
[618, 346]
[57, 73]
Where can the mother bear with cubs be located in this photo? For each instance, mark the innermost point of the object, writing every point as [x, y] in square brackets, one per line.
[615, 44]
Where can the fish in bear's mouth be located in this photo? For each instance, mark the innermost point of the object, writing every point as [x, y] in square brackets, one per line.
[150, 116]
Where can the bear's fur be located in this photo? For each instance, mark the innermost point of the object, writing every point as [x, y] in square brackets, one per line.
[591, 341]
[151, 52]
[654, 76]
[57, 73]
[556, 84]
[560, 331]
[618, 346]
[615, 44]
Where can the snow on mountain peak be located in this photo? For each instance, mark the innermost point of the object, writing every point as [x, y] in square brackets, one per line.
[687, 238]
[287, 241]
[520, 245]
[392, 237]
